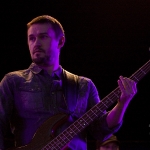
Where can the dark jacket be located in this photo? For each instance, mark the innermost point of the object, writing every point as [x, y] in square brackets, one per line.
[29, 97]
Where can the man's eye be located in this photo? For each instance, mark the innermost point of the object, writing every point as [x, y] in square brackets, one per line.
[31, 38]
[43, 36]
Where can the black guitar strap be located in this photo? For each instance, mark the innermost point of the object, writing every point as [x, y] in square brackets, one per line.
[70, 87]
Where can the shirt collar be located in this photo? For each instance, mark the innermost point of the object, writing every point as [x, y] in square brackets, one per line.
[36, 69]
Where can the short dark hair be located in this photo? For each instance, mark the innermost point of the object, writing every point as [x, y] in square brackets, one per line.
[57, 27]
[112, 138]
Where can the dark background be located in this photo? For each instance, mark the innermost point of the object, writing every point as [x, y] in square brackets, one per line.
[104, 39]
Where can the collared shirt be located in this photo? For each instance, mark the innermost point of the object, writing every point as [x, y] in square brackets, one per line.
[29, 97]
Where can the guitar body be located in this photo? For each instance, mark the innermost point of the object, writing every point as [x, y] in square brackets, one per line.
[45, 133]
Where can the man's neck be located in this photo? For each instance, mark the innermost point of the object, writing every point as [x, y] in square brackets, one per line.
[50, 68]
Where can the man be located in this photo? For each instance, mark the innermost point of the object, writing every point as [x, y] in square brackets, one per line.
[29, 97]
[110, 144]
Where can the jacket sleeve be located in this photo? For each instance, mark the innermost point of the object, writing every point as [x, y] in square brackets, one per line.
[6, 107]
[99, 128]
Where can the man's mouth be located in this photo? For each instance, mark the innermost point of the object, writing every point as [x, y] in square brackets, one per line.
[38, 51]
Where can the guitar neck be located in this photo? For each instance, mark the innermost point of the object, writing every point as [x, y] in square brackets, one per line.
[62, 139]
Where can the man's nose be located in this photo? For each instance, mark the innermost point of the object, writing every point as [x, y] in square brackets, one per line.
[37, 42]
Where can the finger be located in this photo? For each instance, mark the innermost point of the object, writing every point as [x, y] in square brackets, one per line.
[120, 83]
[125, 82]
[128, 83]
[131, 85]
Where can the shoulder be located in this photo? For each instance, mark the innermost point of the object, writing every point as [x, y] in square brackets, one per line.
[82, 80]
[18, 73]
[11, 76]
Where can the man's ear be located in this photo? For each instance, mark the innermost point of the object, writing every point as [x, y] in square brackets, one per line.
[61, 42]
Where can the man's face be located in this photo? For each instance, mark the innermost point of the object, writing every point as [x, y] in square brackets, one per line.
[110, 146]
[43, 45]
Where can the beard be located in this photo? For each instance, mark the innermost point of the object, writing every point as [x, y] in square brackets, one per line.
[41, 60]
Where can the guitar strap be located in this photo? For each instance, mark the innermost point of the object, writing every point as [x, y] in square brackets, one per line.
[70, 88]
